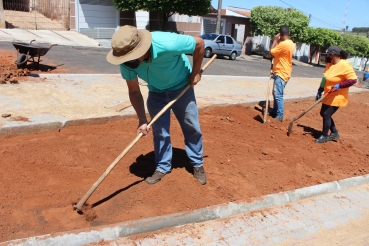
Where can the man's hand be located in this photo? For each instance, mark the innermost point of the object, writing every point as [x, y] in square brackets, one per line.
[275, 43]
[198, 56]
[277, 37]
[194, 79]
[143, 128]
[335, 87]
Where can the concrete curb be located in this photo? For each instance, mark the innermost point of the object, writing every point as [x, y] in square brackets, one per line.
[113, 232]
[49, 126]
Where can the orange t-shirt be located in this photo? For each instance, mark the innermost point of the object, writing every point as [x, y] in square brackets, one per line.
[282, 54]
[327, 66]
[335, 74]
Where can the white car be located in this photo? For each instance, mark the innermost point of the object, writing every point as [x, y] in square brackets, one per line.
[221, 45]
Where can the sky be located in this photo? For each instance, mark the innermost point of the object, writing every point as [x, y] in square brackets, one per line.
[332, 14]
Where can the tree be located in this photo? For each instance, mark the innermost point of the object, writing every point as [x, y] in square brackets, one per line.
[321, 38]
[166, 8]
[355, 45]
[266, 20]
[360, 29]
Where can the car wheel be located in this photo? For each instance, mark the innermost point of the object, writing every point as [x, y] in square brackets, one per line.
[207, 53]
[233, 56]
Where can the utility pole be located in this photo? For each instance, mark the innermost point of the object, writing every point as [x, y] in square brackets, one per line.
[2, 16]
[309, 18]
[219, 16]
[344, 18]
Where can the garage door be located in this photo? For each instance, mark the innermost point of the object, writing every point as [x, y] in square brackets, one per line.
[97, 18]
[209, 25]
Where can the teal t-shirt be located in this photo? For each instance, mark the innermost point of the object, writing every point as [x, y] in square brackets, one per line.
[168, 67]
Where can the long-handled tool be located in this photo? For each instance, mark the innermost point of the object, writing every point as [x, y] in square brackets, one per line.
[266, 109]
[79, 205]
[307, 110]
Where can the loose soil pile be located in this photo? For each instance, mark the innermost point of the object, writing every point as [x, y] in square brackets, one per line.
[42, 174]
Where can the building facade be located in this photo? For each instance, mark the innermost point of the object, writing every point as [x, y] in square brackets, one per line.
[100, 19]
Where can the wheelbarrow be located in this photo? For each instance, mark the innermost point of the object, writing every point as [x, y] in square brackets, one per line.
[28, 52]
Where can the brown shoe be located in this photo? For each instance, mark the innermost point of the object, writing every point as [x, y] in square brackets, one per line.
[199, 174]
[156, 177]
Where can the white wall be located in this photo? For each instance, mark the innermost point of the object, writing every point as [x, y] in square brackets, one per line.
[142, 19]
[185, 18]
[262, 44]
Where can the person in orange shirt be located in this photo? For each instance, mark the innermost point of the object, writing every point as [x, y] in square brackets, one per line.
[282, 50]
[338, 77]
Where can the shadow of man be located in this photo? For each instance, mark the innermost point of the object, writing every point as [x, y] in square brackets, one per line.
[314, 132]
[145, 165]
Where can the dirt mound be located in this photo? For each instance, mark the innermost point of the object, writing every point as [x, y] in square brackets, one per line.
[43, 174]
[9, 73]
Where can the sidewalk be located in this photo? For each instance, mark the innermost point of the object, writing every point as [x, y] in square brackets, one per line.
[340, 218]
[70, 38]
[57, 101]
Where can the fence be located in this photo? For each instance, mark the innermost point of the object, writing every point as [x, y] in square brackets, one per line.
[37, 14]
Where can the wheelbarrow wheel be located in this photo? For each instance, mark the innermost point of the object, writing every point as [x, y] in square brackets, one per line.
[21, 61]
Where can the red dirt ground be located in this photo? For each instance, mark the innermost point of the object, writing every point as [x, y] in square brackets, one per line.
[42, 174]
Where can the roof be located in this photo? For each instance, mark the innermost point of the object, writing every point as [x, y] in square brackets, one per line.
[231, 11]
[244, 13]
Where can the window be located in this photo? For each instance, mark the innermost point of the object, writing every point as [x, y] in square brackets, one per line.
[229, 40]
[221, 38]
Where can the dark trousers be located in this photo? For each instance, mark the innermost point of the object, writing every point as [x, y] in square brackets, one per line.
[328, 124]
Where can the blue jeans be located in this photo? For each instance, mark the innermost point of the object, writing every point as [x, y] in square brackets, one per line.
[278, 89]
[186, 112]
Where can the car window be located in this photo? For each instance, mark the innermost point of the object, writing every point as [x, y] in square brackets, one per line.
[221, 38]
[229, 40]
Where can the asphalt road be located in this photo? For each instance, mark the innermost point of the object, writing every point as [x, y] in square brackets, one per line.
[92, 61]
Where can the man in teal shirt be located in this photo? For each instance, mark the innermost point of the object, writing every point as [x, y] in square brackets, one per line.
[159, 59]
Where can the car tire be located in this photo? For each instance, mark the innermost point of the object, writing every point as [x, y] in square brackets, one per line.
[233, 56]
[207, 53]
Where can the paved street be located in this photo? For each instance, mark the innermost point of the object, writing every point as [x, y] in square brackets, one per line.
[340, 218]
[86, 60]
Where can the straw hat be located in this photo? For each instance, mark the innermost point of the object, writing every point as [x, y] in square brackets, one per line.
[128, 44]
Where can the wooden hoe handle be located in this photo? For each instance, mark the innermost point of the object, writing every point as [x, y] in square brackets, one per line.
[307, 110]
[266, 109]
[79, 205]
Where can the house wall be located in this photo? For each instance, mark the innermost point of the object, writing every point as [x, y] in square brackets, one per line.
[302, 52]
[230, 26]
[142, 20]
[72, 7]
[127, 18]
[189, 25]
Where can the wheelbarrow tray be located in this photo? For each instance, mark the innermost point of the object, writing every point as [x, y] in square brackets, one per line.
[31, 50]
[27, 52]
